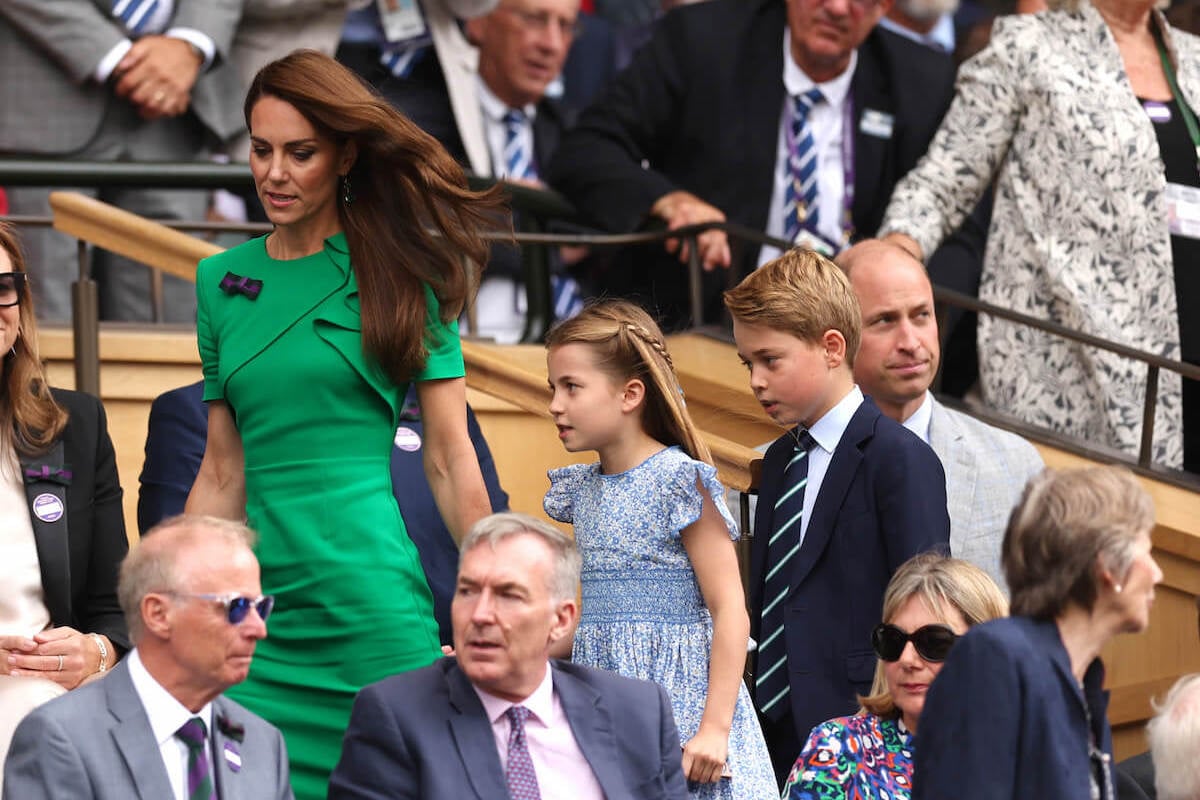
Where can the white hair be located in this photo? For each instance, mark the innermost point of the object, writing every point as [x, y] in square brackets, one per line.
[1174, 735]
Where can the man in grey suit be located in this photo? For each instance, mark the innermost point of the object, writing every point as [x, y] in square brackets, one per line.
[115, 80]
[157, 726]
[501, 719]
[986, 468]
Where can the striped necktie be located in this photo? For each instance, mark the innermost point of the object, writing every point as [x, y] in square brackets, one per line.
[518, 161]
[199, 772]
[518, 772]
[134, 14]
[800, 196]
[771, 683]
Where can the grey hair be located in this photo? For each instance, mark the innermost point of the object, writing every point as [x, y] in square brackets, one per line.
[495, 528]
[152, 566]
[1174, 735]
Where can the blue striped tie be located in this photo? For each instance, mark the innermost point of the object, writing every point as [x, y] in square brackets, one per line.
[800, 196]
[134, 14]
[771, 682]
[401, 57]
[517, 161]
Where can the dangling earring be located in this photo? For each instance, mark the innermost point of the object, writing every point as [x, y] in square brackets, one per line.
[347, 191]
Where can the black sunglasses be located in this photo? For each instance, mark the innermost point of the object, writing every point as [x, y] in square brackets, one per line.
[237, 606]
[11, 286]
[933, 642]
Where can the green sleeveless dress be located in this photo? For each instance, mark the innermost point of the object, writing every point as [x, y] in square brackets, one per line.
[317, 421]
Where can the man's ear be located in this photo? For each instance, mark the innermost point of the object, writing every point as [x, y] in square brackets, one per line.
[566, 617]
[156, 615]
[633, 395]
[834, 344]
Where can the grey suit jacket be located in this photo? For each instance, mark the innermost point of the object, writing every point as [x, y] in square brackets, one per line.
[96, 743]
[50, 50]
[986, 470]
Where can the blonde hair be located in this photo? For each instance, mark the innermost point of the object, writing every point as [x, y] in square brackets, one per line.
[942, 583]
[1067, 524]
[629, 345]
[801, 293]
[30, 419]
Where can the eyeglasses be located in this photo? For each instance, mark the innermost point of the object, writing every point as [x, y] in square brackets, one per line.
[237, 606]
[11, 286]
[933, 642]
[542, 20]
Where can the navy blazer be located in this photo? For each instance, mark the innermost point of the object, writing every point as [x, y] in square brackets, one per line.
[1006, 719]
[175, 445]
[78, 522]
[883, 500]
[425, 734]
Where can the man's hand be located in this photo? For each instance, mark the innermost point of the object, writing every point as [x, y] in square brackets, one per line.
[157, 76]
[680, 209]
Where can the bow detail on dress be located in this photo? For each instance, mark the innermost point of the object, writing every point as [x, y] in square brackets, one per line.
[45, 472]
[236, 284]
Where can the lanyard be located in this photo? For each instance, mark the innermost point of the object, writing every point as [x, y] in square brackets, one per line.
[1185, 110]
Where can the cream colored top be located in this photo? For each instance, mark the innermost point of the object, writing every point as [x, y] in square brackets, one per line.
[22, 604]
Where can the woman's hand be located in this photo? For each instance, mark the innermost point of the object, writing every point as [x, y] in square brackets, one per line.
[63, 655]
[704, 755]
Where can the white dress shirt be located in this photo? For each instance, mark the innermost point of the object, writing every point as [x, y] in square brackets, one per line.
[827, 120]
[827, 432]
[495, 130]
[563, 773]
[918, 421]
[167, 715]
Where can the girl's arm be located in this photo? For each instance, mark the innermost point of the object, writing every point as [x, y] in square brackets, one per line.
[451, 465]
[715, 562]
[220, 487]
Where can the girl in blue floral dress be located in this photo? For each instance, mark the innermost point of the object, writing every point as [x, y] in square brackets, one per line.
[662, 595]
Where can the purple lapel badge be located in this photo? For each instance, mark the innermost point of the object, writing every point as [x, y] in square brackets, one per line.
[236, 284]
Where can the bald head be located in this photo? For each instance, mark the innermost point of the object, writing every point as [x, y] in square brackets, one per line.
[899, 354]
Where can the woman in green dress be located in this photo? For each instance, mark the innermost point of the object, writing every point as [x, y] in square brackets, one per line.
[309, 337]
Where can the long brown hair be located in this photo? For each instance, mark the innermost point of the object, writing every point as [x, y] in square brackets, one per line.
[412, 221]
[30, 420]
[628, 344]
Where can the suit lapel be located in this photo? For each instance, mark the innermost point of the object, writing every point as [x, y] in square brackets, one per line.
[872, 154]
[958, 462]
[591, 723]
[47, 497]
[472, 732]
[134, 738]
[547, 128]
[847, 457]
[760, 81]
[227, 753]
[774, 464]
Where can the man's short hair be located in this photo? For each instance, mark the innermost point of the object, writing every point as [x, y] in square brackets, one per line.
[152, 567]
[801, 293]
[495, 528]
[1174, 735]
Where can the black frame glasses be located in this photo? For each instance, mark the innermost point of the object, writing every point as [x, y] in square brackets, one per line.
[933, 642]
[18, 284]
[237, 606]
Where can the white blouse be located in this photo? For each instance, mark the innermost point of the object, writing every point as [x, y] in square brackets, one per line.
[22, 606]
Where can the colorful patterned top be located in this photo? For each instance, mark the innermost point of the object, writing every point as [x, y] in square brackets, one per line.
[864, 757]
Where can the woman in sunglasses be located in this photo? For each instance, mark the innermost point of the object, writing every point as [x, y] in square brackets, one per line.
[1019, 709]
[62, 530]
[929, 603]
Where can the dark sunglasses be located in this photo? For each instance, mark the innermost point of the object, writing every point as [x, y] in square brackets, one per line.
[933, 642]
[11, 286]
[237, 606]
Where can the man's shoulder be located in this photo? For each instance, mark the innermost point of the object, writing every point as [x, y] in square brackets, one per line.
[988, 440]
[231, 716]
[905, 55]
[605, 681]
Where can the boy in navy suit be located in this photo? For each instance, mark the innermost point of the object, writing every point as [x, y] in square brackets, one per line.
[846, 496]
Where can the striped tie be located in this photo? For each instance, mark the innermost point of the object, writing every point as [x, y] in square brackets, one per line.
[800, 197]
[401, 57]
[517, 161]
[134, 14]
[199, 773]
[771, 683]
[518, 772]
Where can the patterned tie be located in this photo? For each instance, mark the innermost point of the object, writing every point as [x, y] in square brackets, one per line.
[771, 684]
[134, 14]
[800, 197]
[199, 773]
[401, 57]
[522, 780]
[518, 162]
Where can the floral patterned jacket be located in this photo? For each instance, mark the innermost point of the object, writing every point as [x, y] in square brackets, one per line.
[1078, 233]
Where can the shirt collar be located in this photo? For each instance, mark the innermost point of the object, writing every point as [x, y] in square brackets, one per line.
[540, 703]
[919, 421]
[495, 108]
[828, 430]
[166, 714]
[796, 80]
